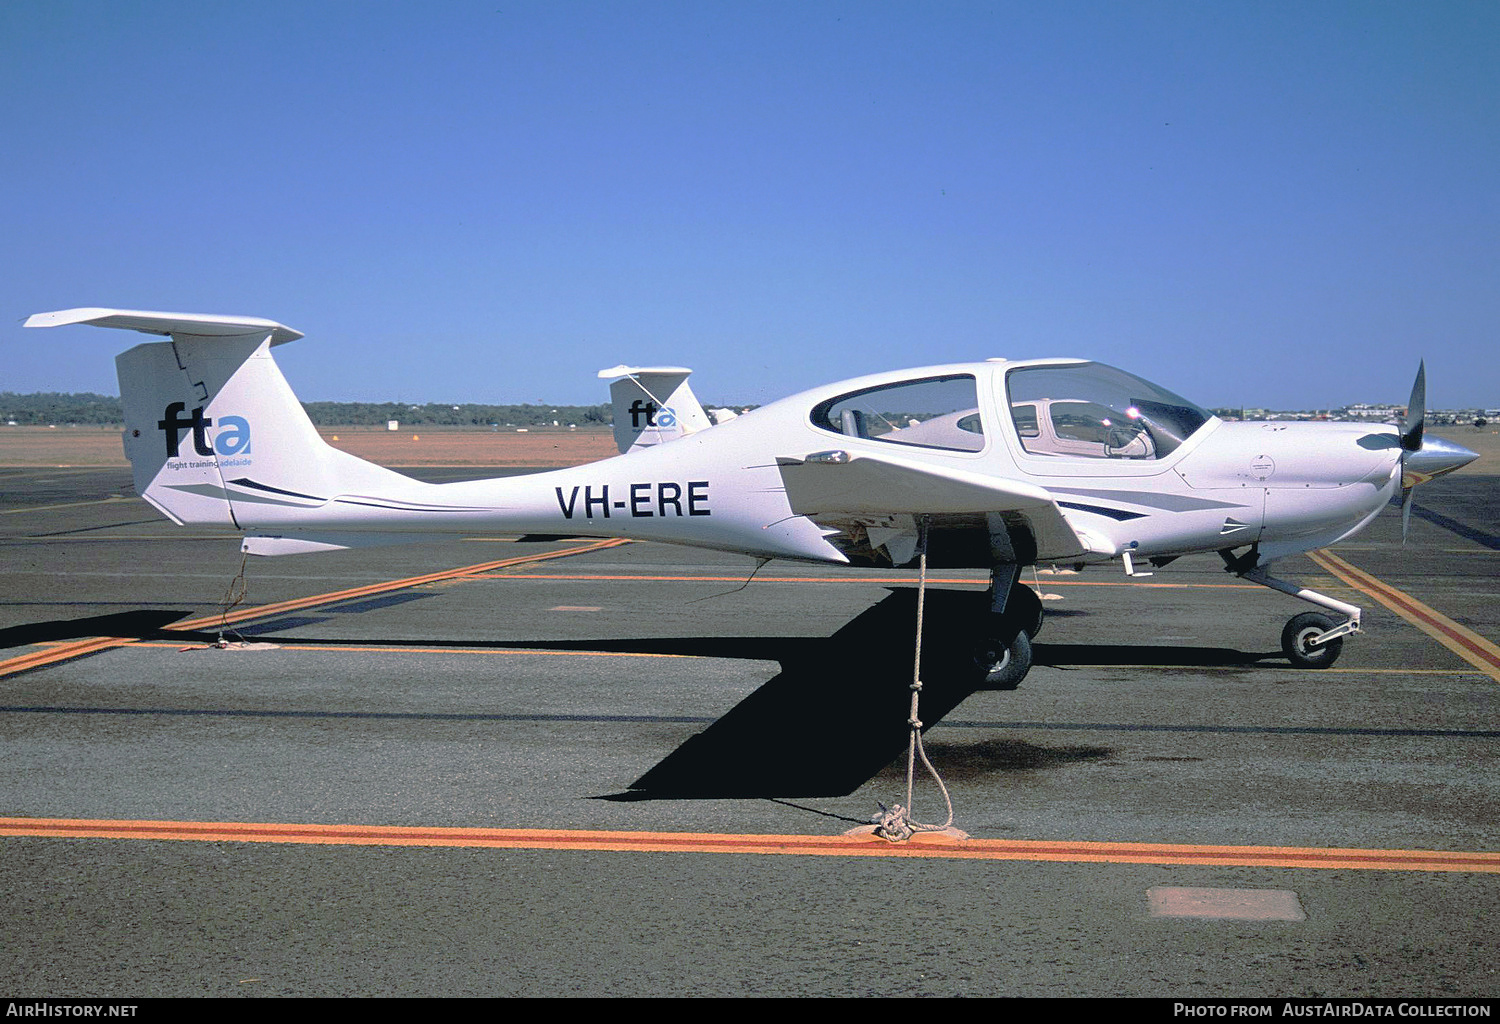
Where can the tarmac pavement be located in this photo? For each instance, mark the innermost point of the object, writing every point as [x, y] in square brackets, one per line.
[646, 689]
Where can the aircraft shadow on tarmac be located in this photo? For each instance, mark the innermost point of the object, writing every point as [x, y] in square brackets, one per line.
[832, 718]
[142, 623]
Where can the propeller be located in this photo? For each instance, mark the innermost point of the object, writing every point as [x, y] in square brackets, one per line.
[1423, 459]
[1411, 441]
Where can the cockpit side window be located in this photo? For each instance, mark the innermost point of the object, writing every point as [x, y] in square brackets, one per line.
[1095, 411]
[933, 412]
[1026, 423]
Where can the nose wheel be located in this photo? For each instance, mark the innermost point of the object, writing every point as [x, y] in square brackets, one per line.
[1300, 640]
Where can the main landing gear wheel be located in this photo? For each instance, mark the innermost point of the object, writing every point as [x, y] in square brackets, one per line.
[1301, 629]
[1025, 607]
[1004, 664]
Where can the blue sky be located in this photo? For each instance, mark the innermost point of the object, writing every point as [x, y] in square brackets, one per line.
[1260, 203]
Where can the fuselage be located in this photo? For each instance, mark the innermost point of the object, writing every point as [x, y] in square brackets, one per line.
[1219, 485]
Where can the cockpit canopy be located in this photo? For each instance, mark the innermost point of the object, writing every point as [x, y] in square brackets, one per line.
[1096, 411]
[1072, 409]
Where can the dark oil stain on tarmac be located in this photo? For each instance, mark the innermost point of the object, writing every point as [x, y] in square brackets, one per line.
[989, 756]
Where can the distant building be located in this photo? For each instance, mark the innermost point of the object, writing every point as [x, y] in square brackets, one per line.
[1364, 411]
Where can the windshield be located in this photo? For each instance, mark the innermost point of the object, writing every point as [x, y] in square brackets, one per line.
[1096, 411]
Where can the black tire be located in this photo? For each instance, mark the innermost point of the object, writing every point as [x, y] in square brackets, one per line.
[1023, 606]
[1296, 634]
[1003, 665]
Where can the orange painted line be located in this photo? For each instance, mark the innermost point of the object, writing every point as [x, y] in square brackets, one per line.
[65, 652]
[925, 846]
[79, 648]
[1461, 640]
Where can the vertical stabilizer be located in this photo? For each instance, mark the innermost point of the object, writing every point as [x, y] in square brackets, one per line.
[173, 426]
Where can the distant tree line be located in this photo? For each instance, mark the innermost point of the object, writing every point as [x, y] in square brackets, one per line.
[52, 407]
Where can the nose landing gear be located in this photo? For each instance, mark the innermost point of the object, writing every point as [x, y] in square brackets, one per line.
[1312, 639]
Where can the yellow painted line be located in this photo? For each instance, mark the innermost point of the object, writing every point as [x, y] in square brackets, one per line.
[1475, 550]
[922, 845]
[89, 645]
[71, 504]
[1461, 640]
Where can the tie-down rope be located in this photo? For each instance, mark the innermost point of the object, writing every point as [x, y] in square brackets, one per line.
[895, 824]
[239, 587]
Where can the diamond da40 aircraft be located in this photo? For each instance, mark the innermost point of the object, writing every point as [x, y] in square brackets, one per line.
[996, 464]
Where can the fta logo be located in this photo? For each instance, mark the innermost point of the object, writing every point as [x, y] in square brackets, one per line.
[656, 416]
[233, 435]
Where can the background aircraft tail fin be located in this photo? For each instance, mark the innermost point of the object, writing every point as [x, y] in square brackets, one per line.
[652, 405]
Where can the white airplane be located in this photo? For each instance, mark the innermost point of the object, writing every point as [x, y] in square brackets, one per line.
[996, 464]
